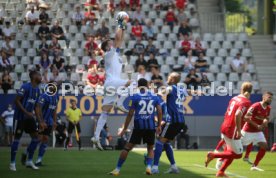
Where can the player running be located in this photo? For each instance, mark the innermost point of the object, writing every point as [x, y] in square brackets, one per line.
[113, 67]
[257, 119]
[142, 106]
[48, 102]
[25, 120]
[174, 123]
[231, 129]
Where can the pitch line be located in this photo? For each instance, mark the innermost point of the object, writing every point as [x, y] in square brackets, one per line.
[213, 169]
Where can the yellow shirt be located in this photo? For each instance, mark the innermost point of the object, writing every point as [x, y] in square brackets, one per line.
[73, 115]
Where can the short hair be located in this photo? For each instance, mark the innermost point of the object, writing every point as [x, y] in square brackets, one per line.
[73, 101]
[104, 45]
[246, 88]
[176, 76]
[32, 73]
[268, 93]
[142, 82]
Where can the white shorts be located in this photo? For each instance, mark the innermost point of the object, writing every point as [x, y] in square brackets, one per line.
[115, 83]
[252, 137]
[234, 145]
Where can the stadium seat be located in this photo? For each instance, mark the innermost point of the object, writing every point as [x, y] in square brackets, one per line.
[25, 45]
[246, 77]
[159, 60]
[234, 52]
[73, 45]
[251, 68]
[11, 91]
[84, 29]
[219, 37]
[221, 77]
[214, 68]
[170, 60]
[168, 45]
[60, 14]
[31, 36]
[175, 29]
[68, 52]
[194, 22]
[152, 15]
[228, 60]
[208, 37]
[75, 77]
[1, 91]
[17, 84]
[79, 37]
[73, 29]
[243, 37]
[234, 77]
[20, 36]
[73, 61]
[222, 53]
[218, 61]
[132, 60]
[85, 60]
[26, 29]
[131, 44]
[80, 68]
[31, 52]
[256, 85]
[173, 37]
[161, 37]
[19, 68]
[227, 45]
[165, 69]
[19, 52]
[79, 52]
[14, 60]
[25, 77]
[231, 37]
[174, 52]
[14, 76]
[166, 29]
[210, 76]
[25, 60]
[225, 68]
[215, 45]
[210, 53]
[129, 68]
[239, 45]
[159, 22]
[37, 60]
[246, 52]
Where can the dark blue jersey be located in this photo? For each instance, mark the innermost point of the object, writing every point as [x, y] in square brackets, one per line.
[165, 115]
[175, 106]
[144, 106]
[29, 100]
[48, 105]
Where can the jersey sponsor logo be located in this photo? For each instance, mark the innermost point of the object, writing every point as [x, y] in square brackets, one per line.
[31, 100]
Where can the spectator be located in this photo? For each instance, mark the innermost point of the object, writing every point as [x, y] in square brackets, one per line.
[140, 61]
[59, 63]
[92, 5]
[198, 47]
[192, 80]
[180, 4]
[89, 16]
[122, 5]
[54, 47]
[31, 17]
[7, 47]
[185, 46]
[142, 73]
[238, 64]
[43, 47]
[91, 31]
[137, 30]
[134, 4]
[5, 63]
[91, 47]
[149, 31]
[111, 7]
[170, 18]
[138, 15]
[6, 81]
[101, 74]
[189, 62]
[78, 17]
[92, 63]
[139, 47]
[184, 29]
[152, 62]
[201, 64]
[151, 48]
[56, 77]
[43, 16]
[204, 80]
[7, 117]
[45, 63]
[181, 16]
[156, 78]
[44, 31]
[103, 31]
[32, 3]
[2, 15]
[45, 76]
[57, 32]
[8, 31]
[92, 78]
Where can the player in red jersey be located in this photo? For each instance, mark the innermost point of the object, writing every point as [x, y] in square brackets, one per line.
[231, 129]
[257, 119]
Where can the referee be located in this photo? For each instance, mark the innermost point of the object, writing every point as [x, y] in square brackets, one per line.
[73, 115]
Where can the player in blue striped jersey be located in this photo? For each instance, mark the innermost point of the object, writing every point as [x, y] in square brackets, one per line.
[142, 106]
[24, 118]
[48, 102]
[174, 122]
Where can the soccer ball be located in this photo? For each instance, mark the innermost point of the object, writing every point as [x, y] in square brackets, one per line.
[122, 16]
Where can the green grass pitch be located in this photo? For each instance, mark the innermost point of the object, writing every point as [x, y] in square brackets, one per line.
[91, 163]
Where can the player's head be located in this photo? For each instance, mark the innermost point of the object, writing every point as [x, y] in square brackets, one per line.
[35, 76]
[106, 45]
[73, 104]
[173, 78]
[143, 84]
[267, 97]
[246, 89]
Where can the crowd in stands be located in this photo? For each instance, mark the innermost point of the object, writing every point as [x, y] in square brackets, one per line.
[88, 31]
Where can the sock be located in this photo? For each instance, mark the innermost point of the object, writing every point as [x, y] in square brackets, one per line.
[158, 152]
[67, 142]
[220, 144]
[31, 148]
[100, 124]
[14, 148]
[248, 150]
[259, 156]
[149, 162]
[120, 163]
[227, 155]
[169, 152]
[79, 143]
[42, 150]
[225, 164]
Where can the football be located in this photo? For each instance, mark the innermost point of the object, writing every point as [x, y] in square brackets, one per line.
[122, 15]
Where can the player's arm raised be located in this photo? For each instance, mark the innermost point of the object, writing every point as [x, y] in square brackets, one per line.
[127, 121]
[119, 38]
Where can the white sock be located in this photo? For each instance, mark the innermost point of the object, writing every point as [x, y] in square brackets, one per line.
[100, 124]
[155, 167]
[174, 166]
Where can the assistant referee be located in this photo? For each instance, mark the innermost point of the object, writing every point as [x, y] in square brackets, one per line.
[73, 115]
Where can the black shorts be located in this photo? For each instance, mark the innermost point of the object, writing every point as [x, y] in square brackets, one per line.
[170, 131]
[148, 136]
[71, 127]
[48, 131]
[29, 125]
